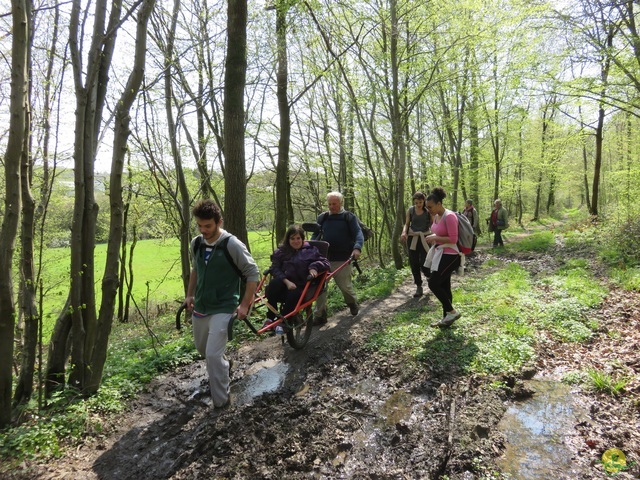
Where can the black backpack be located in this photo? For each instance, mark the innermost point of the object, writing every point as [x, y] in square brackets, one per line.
[367, 232]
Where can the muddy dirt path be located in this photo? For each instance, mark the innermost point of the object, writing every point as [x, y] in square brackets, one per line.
[333, 410]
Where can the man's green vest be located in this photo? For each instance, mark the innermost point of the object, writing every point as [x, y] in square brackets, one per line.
[218, 282]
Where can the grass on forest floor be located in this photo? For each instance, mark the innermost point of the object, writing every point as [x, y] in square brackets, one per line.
[505, 310]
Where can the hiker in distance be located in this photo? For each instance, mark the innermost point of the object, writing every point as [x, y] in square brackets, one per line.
[472, 214]
[498, 222]
[220, 262]
[341, 229]
[416, 228]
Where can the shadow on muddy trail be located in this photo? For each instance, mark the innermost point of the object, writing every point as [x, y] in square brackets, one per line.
[148, 451]
[331, 410]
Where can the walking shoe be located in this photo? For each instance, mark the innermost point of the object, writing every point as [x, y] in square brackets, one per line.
[266, 324]
[280, 330]
[320, 319]
[418, 292]
[224, 405]
[448, 319]
[353, 308]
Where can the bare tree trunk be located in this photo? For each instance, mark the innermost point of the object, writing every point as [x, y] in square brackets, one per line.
[202, 160]
[551, 167]
[184, 200]
[98, 354]
[28, 306]
[519, 176]
[90, 332]
[474, 143]
[536, 212]
[547, 116]
[551, 198]
[399, 150]
[89, 106]
[598, 162]
[20, 13]
[123, 283]
[604, 76]
[282, 167]
[585, 163]
[235, 205]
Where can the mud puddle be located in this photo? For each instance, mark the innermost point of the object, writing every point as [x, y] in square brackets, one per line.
[537, 432]
[262, 377]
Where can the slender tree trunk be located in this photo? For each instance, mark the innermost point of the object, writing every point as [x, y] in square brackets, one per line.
[202, 160]
[598, 162]
[519, 179]
[29, 307]
[536, 212]
[184, 200]
[235, 207]
[282, 168]
[474, 153]
[399, 151]
[91, 100]
[12, 202]
[121, 135]
[604, 76]
[123, 314]
[545, 164]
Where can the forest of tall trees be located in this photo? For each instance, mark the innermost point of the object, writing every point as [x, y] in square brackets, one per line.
[265, 107]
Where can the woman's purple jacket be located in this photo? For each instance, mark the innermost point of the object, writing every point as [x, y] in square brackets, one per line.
[295, 265]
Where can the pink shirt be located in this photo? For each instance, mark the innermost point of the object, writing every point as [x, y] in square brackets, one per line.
[448, 228]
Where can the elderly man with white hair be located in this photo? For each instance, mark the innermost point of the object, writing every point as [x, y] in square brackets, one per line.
[341, 229]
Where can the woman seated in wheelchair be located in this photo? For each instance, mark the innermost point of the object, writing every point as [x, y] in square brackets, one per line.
[291, 264]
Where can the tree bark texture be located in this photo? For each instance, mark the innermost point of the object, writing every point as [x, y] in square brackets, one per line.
[282, 219]
[28, 303]
[98, 353]
[12, 201]
[235, 204]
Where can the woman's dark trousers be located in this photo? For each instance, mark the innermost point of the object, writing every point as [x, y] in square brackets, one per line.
[497, 237]
[440, 281]
[277, 292]
[416, 262]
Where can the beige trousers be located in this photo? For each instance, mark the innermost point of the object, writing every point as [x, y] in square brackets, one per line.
[343, 280]
[210, 338]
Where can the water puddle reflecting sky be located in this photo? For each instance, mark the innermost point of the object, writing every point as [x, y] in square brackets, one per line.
[536, 431]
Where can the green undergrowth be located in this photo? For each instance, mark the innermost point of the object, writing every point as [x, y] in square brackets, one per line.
[134, 359]
[505, 311]
[373, 282]
[136, 355]
[598, 381]
[616, 245]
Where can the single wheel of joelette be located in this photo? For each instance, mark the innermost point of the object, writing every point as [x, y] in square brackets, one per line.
[298, 334]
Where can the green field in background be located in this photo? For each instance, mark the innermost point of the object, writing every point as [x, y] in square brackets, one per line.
[156, 266]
